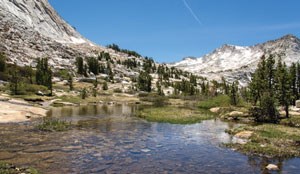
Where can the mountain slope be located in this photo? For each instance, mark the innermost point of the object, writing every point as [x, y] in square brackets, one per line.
[236, 63]
[33, 29]
[41, 17]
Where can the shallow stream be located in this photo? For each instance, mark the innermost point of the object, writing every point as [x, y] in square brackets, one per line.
[109, 139]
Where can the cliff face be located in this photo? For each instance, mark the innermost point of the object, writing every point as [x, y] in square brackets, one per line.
[30, 29]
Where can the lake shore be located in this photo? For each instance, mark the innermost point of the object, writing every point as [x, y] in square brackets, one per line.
[12, 111]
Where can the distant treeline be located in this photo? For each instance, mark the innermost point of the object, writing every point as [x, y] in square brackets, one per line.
[129, 52]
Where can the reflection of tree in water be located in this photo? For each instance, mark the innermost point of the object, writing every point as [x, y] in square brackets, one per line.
[108, 126]
[262, 162]
[105, 109]
[83, 110]
[230, 125]
[66, 111]
[136, 108]
[60, 112]
[95, 109]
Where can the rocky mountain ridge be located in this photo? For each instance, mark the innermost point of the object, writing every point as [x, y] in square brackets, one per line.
[33, 29]
[236, 62]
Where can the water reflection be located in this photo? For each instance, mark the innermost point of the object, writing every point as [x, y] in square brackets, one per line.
[110, 140]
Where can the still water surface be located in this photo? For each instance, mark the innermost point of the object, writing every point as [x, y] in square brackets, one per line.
[109, 139]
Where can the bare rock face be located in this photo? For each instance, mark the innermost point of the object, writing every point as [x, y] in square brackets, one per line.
[237, 63]
[31, 29]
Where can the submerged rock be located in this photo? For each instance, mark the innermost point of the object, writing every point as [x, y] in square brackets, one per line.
[145, 150]
[272, 167]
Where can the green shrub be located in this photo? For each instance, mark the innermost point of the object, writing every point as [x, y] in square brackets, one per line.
[293, 121]
[2, 62]
[174, 115]
[6, 168]
[63, 74]
[218, 101]
[4, 76]
[118, 90]
[83, 93]
[156, 99]
[105, 86]
[143, 94]
[33, 88]
[53, 125]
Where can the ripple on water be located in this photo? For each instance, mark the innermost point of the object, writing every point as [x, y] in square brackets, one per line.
[109, 140]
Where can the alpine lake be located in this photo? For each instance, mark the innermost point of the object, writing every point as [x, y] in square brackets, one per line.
[110, 139]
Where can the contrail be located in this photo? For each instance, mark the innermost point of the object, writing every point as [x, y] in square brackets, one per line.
[192, 12]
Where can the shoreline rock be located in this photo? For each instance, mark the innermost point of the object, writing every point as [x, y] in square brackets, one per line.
[18, 111]
[244, 134]
[215, 110]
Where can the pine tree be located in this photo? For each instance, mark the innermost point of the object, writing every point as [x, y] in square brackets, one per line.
[93, 65]
[204, 88]
[2, 62]
[245, 93]
[234, 93]
[144, 81]
[225, 86]
[283, 90]
[110, 72]
[192, 90]
[83, 93]
[105, 86]
[259, 81]
[70, 82]
[298, 81]
[268, 107]
[85, 69]
[44, 74]
[159, 90]
[29, 73]
[95, 84]
[293, 83]
[262, 91]
[79, 65]
[15, 80]
[94, 92]
[193, 80]
[270, 72]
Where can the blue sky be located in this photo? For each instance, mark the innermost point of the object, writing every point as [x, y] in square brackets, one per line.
[169, 30]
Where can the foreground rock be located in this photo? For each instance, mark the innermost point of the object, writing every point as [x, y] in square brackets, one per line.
[19, 112]
[215, 110]
[242, 137]
[4, 98]
[244, 134]
[236, 113]
[60, 103]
